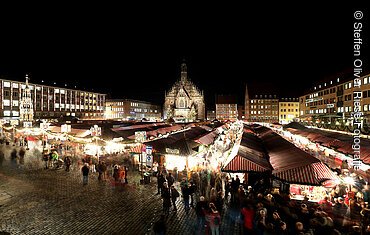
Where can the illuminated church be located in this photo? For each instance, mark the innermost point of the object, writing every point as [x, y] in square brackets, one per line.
[184, 102]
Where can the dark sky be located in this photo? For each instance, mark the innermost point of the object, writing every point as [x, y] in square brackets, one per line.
[136, 52]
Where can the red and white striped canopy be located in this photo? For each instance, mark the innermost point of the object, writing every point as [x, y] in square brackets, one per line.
[138, 148]
[314, 173]
[242, 164]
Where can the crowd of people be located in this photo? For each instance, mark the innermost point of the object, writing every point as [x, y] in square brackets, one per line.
[262, 210]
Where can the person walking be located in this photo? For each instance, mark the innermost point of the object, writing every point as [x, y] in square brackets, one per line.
[13, 157]
[85, 173]
[200, 208]
[186, 196]
[214, 219]
[67, 162]
[174, 195]
[1, 158]
[99, 170]
[45, 158]
[192, 190]
[170, 179]
[21, 154]
[166, 196]
[160, 181]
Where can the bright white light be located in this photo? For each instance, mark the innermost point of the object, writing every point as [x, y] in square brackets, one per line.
[349, 180]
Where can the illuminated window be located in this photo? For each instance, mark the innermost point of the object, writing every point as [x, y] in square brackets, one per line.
[6, 102]
[7, 84]
[366, 80]
[15, 113]
[15, 85]
[56, 90]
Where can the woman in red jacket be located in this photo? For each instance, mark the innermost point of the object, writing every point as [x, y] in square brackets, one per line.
[248, 217]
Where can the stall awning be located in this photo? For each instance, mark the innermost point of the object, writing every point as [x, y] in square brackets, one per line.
[313, 174]
[241, 164]
[291, 164]
[208, 138]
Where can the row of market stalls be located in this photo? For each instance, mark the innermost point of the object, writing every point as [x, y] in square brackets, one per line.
[339, 142]
[182, 147]
[262, 150]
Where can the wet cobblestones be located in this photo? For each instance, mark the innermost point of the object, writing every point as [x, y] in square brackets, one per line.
[42, 201]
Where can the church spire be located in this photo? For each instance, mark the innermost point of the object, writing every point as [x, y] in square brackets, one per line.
[27, 80]
[184, 72]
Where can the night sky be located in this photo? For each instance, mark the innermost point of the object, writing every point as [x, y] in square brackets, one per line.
[137, 53]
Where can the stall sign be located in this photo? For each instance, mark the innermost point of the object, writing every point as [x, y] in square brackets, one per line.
[173, 151]
[149, 160]
[140, 136]
[149, 150]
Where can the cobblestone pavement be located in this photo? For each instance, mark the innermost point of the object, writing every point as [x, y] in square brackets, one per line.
[39, 201]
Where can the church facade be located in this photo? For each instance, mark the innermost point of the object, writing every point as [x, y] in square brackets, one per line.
[184, 102]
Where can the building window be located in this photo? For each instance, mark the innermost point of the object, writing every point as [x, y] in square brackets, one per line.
[15, 113]
[15, 85]
[365, 107]
[7, 84]
[15, 103]
[366, 80]
[6, 102]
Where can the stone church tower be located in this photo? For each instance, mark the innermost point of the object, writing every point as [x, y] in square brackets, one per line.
[184, 102]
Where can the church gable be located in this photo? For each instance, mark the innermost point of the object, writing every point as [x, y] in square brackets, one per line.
[184, 99]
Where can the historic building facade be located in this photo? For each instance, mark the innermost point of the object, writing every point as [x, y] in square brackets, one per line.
[184, 102]
[128, 109]
[331, 104]
[25, 101]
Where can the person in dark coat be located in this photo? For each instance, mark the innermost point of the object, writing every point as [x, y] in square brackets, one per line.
[85, 174]
[160, 181]
[21, 153]
[166, 196]
[13, 157]
[186, 195]
[1, 158]
[67, 162]
[174, 195]
[170, 179]
[200, 208]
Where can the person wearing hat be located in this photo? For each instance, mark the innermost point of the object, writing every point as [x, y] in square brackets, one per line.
[200, 208]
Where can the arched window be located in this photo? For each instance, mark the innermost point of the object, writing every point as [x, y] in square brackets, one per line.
[182, 103]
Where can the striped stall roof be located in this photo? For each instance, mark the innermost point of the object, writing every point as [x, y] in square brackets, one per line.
[138, 148]
[241, 164]
[314, 174]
